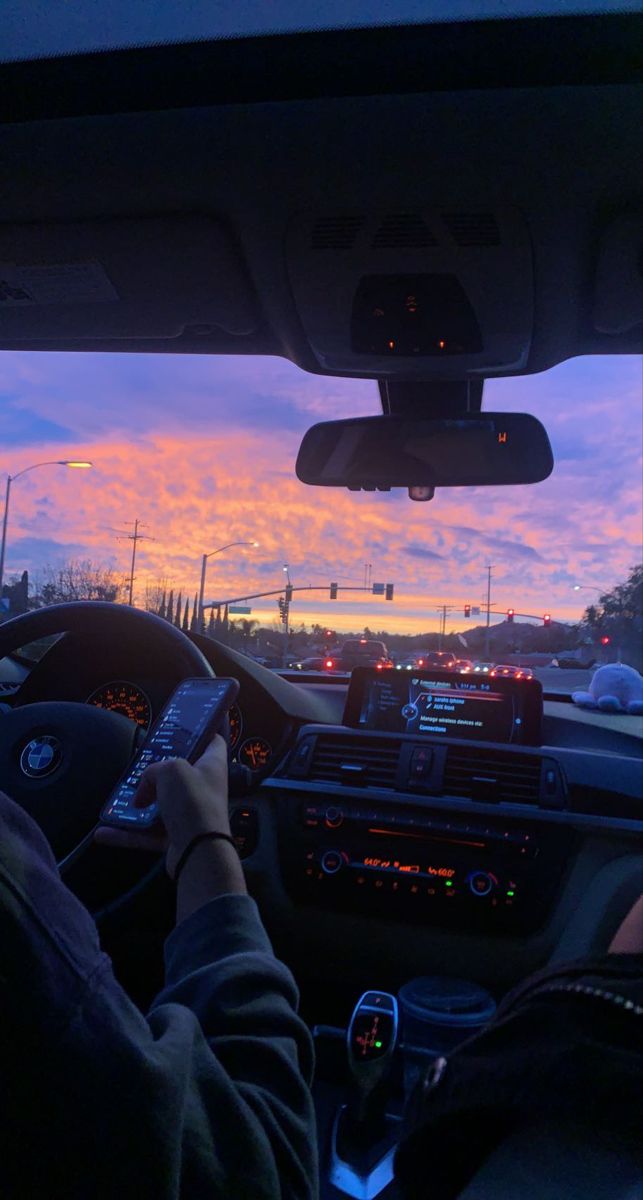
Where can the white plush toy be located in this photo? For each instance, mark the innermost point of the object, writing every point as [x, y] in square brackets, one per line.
[614, 688]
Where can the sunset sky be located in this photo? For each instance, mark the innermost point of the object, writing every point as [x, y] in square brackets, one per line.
[202, 451]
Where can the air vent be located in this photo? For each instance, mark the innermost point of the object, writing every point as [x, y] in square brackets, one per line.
[472, 229]
[355, 760]
[400, 230]
[336, 233]
[488, 776]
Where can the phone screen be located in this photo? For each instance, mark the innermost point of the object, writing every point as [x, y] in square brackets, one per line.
[191, 717]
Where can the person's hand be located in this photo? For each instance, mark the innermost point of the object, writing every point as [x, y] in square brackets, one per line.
[192, 799]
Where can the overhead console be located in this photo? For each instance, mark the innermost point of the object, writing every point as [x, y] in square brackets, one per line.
[443, 291]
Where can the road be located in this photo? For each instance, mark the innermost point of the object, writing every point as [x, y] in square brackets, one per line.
[554, 679]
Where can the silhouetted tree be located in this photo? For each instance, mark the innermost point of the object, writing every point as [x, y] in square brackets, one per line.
[169, 612]
[194, 623]
[177, 615]
[77, 580]
[186, 617]
[619, 616]
[211, 632]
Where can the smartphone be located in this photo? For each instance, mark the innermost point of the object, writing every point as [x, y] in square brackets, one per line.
[189, 721]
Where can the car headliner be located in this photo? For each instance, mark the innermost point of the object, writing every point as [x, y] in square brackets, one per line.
[234, 150]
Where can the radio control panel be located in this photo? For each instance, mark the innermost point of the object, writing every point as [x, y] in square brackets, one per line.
[414, 864]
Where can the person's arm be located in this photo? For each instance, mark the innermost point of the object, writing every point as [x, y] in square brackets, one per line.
[208, 1095]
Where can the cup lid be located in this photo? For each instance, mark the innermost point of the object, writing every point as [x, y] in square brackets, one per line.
[446, 1001]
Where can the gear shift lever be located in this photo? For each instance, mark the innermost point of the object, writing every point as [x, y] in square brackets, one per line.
[371, 1042]
[363, 1139]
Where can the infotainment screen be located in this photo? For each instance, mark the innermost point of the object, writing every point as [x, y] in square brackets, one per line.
[443, 704]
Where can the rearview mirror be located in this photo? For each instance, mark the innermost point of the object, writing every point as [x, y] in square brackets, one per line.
[470, 450]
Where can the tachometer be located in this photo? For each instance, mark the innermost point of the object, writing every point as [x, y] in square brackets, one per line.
[255, 753]
[236, 725]
[123, 697]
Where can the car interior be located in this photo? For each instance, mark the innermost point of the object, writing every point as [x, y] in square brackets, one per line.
[275, 195]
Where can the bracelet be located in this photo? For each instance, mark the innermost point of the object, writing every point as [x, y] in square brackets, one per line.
[200, 837]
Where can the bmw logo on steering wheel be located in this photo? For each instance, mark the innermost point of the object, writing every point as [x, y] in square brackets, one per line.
[41, 756]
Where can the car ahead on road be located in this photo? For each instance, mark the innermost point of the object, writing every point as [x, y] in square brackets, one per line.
[483, 668]
[444, 659]
[362, 652]
[509, 671]
[463, 666]
[322, 662]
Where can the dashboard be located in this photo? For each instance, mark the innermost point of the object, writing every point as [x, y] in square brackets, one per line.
[380, 853]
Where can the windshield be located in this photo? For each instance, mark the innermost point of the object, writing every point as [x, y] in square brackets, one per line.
[194, 457]
[31, 29]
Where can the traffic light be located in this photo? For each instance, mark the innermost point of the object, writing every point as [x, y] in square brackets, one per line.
[328, 633]
[283, 610]
[547, 620]
[467, 610]
[510, 614]
[333, 591]
[605, 641]
[289, 594]
[389, 591]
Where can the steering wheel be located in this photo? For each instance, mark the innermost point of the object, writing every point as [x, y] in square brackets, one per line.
[60, 760]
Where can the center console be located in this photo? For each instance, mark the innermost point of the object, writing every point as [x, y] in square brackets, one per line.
[414, 864]
[383, 817]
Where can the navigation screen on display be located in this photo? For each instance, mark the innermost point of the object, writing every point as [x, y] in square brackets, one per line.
[441, 704]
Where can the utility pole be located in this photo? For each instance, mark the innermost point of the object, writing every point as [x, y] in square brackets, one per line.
[486, 632]
[134, 538]
[443, 625]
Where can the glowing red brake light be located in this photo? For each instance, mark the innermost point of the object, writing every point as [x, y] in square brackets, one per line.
[379, 666]
[329, 663]
[420, 662]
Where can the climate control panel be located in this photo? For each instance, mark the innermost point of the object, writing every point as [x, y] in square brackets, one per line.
[411, 863]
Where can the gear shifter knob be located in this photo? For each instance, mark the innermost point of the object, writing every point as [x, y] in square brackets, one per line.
[371, 1042]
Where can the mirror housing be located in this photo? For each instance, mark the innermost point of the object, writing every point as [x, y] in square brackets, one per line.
[421, 454]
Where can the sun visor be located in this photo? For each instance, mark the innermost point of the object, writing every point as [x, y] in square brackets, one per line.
[151, 277]
[618, 296]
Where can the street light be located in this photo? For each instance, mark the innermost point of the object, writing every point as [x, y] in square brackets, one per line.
[204, 564]
[591, 587]
[58, 462]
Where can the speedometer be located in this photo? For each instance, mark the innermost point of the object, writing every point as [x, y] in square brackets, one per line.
[125, 698]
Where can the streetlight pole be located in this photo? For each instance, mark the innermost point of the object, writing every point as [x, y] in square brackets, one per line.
[64, 462]
[286, 616]
[588, 587]
[204, 564]
[486, 632]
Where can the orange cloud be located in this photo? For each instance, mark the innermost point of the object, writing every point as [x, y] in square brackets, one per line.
[193, 494]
